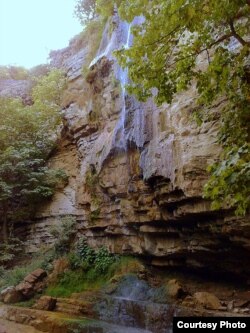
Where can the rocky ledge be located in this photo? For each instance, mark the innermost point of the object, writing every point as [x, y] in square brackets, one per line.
[137, 171]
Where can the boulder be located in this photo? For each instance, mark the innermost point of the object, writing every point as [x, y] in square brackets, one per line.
[207, 300]
[37, 275]
[174, 289]
[10, 295]
[189, 301]
[26, 289]
[59, 266]
[32, 283]
[45, 303]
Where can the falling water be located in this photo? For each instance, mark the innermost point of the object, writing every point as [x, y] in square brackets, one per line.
[121, 38]
[136, 304]
[106, 46]
[123, 77]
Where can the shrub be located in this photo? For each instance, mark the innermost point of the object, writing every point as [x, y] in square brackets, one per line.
[84, 252]
[86, 257]
[85, 11]
[103, 260]
[9, 250]
[64, 233]
[15, 275]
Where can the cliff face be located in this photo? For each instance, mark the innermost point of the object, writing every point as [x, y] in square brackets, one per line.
[136, 171]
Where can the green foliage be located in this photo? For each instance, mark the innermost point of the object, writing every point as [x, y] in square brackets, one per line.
[39, 70]
[27, 136]
[47, 263]
[9, 250]
[64, 234]
[12, 277]
[85, 257]
[21, 73]
[47, 95]
[106, 8]
[91, 180]
[230, 180]
[183, 43]
[93, 31]
[103, 260]
[94, 215]
[90, 270]
[27, 304]
[72, 282]
[95, 276]
[91, 185]
[84, 252]
[85, 11]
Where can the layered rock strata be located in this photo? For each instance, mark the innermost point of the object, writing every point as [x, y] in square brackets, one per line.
[137, 171]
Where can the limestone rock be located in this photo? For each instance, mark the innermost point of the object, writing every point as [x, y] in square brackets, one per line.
[10, 295]
[46, 303]
[59, 266]
[32, 283]
[16, 89]
[26, 289]
[207, 300]
[151, 167]
[174, 289]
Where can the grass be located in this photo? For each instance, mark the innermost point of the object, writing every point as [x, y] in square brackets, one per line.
[26, 304]
[15, 275]
[76, 281]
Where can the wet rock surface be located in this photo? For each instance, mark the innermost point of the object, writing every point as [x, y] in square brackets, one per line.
[136, 176]
[10, 327]
[130, 304]
[149, 168]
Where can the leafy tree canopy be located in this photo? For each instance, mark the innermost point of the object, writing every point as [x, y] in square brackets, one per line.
[166, 59]
[85, 10]
[26, 140]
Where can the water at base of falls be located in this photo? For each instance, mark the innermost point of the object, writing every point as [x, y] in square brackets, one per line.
[135, 304]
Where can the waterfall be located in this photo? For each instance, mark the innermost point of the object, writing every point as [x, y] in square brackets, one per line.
[121, 38]
[120, 137]
[106, 46]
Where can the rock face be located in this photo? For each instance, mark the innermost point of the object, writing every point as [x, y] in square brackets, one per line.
[32, 283]
[16, 89]
[136, 172]
[10, 295]
[46, 303]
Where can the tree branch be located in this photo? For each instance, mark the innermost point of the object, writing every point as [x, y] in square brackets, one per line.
[221, 39]
[163, 37]
[237, 36]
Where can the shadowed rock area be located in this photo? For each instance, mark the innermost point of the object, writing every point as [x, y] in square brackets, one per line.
[136, 174]
[137, 171]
